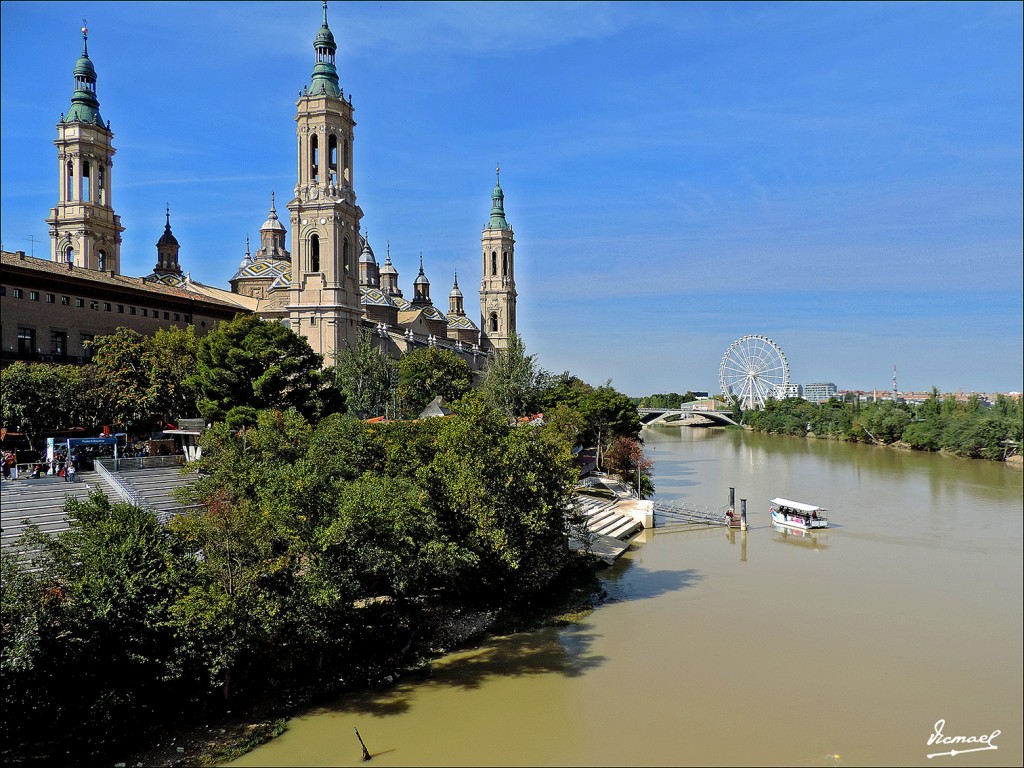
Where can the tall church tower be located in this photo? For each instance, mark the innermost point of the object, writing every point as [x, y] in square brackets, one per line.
[84, 229]
[324, 296]
[498, 286]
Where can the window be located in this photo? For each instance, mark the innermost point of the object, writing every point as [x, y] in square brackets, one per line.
[314, 253]
[131, 310]
[102, 184]
[145, 312]
[70, 188]
[66, 301]
[106, 306]
[177, 317]
[346, 255]
[504, 263]
[94, 305]
[101, 261]
[69, 254]
[3, 290]
[120, 309]
[59, 343]
[167, 315]
[314, 159]
[494, 322]
[33, 295]
[188, 318]
[494, 262]
[17, 293]
[80, 303]
[86, 183]
[332, 158]
[86, 342]
[26, 341]
[50, 298]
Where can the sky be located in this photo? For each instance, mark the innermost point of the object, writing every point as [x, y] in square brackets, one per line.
[845, 179]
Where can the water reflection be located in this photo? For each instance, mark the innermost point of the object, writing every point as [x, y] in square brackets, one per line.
[798, 538]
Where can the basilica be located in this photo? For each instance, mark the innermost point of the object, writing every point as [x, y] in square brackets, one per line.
[330, 288]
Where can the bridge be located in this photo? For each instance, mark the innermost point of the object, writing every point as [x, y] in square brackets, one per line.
[684, 416]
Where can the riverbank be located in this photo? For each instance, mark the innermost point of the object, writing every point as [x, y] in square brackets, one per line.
[219, 740]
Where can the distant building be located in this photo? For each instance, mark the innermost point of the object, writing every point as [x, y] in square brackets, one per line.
[820, 392]
[788, 390]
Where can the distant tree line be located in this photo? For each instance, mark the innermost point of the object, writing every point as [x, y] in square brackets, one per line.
[962, 428]
[664, 400]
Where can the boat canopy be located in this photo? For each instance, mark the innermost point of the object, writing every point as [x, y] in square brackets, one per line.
[797, 505]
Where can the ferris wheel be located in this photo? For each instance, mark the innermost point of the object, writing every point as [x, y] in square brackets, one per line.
[753, 369]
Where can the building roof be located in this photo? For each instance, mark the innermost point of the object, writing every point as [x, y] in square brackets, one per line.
[374, 297]
[12, 263]
[461, 323]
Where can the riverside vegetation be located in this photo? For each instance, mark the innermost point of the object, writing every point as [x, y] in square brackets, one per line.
[330, 552]
[962, 428]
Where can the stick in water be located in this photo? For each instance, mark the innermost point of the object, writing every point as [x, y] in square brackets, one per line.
[366, 752]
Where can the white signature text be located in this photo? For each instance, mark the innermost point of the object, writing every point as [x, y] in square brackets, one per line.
[985, 741]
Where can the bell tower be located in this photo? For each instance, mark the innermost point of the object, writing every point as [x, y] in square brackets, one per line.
[84, 230]
[324, 303]
[498, 286]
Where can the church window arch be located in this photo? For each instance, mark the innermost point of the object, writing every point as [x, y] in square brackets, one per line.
[70, 182]
[346, 256]
[314, 157]
[69, 254]
[494, 262]
[347, 160]
[86, 182]
[101, 261]
[332, 157]
[314, 253]
[504, 263]
[494, 322]
[101, 184]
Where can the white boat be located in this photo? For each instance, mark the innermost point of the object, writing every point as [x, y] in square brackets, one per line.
[797, 515]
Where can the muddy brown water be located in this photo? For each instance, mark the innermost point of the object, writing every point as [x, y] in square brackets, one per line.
[717, 648]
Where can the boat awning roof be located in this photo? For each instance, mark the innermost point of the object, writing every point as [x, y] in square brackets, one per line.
[797, 505]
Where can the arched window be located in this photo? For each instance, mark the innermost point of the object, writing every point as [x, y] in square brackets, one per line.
[332, 157]
[494, 262]
[345, 256]
[504, 263]
[69, 254]
[102, 184]
[494, 322]
[314, 158]
[314, 253]
[101, 261]
[86, 183]
[70, 191]
[347, 160]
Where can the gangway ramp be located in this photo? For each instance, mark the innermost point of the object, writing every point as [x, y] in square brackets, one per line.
[675, 513]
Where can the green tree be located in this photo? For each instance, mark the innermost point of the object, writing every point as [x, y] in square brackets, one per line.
[367, 377]
[172, 353]
[123, 365]
[512, 380]
[248, 364]
[626, 460]
[428, 372]
[38, 397]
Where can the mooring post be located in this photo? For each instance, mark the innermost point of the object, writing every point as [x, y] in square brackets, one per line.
[743, 514]
[366, 752]
[732, 499]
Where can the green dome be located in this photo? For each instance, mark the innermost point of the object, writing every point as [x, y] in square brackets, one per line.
[84, 68]
[325, 38]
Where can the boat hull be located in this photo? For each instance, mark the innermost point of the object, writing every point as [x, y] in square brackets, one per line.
[797, 522]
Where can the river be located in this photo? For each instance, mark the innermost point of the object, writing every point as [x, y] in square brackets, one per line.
[720, 648]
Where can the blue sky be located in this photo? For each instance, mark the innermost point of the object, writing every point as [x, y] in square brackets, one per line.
[843, 178]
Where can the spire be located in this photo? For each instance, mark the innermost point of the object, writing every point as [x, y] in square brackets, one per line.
[167, 248]
[325, 74]
[497, 204]
[85, 107]
[455, 299]
[421, 287]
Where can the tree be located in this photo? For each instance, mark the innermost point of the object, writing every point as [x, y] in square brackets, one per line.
[625, 459]
[37, 397]
[366, 376]
[250, 363]
[123, 366]
[512, 381]
[172, 352]
[425, 373]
